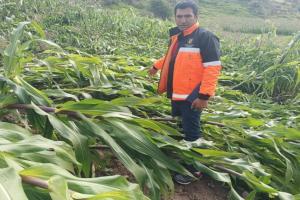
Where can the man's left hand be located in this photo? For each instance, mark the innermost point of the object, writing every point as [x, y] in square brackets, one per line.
[199, 104]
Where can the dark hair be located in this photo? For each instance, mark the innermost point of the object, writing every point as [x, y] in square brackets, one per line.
[187, 4]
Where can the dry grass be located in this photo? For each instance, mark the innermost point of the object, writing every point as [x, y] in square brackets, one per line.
[283, 26]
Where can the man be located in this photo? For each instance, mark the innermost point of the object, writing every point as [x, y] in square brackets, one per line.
[189, 70]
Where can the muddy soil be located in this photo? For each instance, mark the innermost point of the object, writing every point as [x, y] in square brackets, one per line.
[202, 189]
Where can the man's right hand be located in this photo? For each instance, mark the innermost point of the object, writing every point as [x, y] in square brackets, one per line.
[152, 71]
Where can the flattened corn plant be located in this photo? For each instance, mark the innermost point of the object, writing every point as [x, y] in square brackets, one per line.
[261, 67]
[73, 101]
[64, 103]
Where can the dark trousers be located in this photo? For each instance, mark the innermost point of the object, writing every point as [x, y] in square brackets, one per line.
[190, 119]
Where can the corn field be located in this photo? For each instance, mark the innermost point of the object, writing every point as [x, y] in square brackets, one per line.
[74, 82]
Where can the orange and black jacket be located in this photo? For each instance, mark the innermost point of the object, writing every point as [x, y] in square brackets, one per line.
[191, 63]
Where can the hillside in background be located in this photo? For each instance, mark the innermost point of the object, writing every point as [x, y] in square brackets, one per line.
[255, 8]
[246, 16]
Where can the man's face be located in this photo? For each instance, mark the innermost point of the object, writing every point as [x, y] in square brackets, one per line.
[185, 18]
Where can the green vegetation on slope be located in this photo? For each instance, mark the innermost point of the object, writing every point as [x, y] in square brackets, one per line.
[249, 16]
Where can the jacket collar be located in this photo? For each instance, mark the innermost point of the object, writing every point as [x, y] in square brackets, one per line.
[176, 30]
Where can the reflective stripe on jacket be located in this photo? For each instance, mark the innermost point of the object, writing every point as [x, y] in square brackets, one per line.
[197, 62]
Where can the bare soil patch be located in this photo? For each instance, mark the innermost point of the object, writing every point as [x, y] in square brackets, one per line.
[203, 189]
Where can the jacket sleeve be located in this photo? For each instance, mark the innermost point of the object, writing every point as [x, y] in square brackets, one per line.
[210, 52]
[159, 63]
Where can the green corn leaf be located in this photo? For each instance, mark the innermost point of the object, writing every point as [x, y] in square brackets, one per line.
[10, 185]
[215, 153]
[6, 100]
[92, 107]
[11, 52]
[89, 186]
[13, 132]
[134, 101]
[133, 137]
[151, 183]
[251, 195]
[21, 146]
[128, 162]
[223, 177]
[285, 196]
[50, 44]
[260, 186]
[34, 193]
[79, 142]
[36, 94]
[38, 29]
[58, 188]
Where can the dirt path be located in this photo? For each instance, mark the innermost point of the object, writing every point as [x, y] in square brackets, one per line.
[203, 189]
